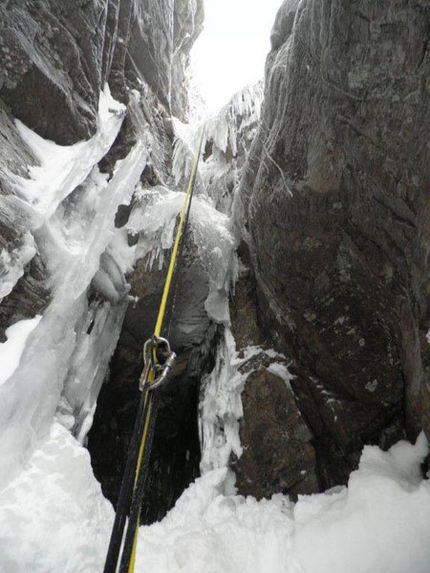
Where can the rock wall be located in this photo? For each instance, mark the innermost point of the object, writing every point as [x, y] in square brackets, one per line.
[335, 209]
[57, 57]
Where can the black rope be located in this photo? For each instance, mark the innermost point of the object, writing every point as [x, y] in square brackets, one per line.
[139, 489]
[126, 491]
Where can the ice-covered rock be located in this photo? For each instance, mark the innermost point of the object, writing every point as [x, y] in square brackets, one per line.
[227, 139]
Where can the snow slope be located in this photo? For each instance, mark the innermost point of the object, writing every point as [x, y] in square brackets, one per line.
[53, 517]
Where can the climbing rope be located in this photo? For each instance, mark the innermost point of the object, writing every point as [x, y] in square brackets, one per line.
[154, 374]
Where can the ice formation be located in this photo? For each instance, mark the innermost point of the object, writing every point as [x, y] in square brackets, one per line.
[71, 235]
[223, 152]
[153, 218]
[69, 207]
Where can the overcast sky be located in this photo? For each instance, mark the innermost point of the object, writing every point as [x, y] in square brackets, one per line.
[231, 50]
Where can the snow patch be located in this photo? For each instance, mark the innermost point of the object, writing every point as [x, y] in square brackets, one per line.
[281, 370]
[53, 517]
[373, 525]
[11, 350]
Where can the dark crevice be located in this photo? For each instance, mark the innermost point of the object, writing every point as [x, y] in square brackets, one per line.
[175, 454]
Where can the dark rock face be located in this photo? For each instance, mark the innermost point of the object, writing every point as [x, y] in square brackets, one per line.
[58, 56]
[336, 203]
[53, 60]
[278, 454]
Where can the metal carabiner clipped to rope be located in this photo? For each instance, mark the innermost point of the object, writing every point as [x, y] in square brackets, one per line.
[158, 358]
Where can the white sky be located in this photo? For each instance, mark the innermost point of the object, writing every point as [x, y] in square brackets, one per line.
[231, 51]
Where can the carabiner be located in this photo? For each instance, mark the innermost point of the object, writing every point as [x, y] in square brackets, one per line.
[150, 360]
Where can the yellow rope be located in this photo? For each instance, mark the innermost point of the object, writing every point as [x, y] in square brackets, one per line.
[172, 262]
[139, 463]
[159, 323]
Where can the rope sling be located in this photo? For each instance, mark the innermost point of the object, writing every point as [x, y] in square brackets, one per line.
[153, 376]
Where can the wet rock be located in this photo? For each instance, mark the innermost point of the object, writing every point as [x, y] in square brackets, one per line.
[338, 217]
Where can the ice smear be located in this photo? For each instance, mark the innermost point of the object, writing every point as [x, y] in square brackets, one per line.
[63, 168]
[12, 349]
[229, 136]
[242, 110]
[95, 343]
[221, 403]
[216, 248]
[221, 408]
[186, 140]
[223, 133]
[74, 253]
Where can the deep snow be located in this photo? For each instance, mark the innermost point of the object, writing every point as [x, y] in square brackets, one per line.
[53, 518]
